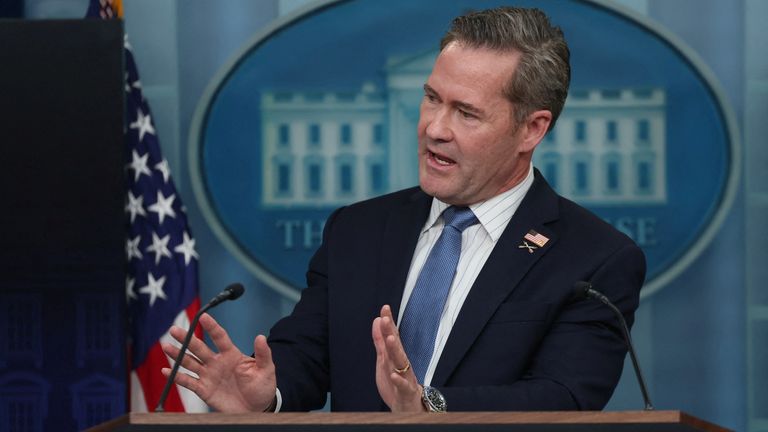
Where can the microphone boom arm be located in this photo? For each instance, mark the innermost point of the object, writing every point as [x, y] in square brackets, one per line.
[584, 289]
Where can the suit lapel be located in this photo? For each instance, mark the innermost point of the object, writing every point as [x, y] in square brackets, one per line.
[505, 267]
[401, 234]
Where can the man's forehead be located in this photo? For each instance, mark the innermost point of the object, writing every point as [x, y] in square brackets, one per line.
[480, 62]
[469, 49]
[477, 69]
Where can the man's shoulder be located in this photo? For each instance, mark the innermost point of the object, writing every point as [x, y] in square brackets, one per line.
[586, 226]
[544, 203]
[374, 211]
[573, 221]
[391, 200]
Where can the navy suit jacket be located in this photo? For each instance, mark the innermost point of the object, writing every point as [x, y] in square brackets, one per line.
[521, 340]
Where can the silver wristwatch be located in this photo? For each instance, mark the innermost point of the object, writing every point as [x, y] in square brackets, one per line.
[433, 400]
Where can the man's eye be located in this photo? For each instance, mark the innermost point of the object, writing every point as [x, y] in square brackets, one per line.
[467, 114]
[430, 97]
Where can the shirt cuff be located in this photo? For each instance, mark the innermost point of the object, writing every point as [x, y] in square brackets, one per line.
[278, 400]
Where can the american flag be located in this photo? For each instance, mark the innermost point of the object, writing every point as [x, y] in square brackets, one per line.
[537, 239]
[161, 284]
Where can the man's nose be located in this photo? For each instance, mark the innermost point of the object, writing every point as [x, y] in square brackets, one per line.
[439, 127]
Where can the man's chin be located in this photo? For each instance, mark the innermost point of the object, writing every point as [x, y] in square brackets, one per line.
[429, 188]
[443, 194]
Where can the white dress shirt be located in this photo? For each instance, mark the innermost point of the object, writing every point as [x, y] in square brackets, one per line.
[477, 243]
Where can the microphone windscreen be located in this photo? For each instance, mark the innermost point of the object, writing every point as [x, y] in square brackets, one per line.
[581, 290]
[235, 290]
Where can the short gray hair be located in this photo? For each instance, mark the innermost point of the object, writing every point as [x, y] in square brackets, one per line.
[543, 75]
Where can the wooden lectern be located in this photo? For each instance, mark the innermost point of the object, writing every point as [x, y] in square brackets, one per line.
[571, 421]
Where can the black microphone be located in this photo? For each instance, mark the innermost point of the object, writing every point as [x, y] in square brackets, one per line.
[232, 292]
[584, 290]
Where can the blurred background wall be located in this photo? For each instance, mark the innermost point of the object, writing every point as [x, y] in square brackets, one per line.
[702, 340]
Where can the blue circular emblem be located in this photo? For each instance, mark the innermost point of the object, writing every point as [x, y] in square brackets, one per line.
[320, 110]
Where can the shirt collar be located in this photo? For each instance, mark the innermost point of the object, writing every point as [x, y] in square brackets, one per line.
[494, 213]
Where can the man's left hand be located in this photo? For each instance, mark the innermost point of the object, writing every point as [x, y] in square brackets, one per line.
[397, 383]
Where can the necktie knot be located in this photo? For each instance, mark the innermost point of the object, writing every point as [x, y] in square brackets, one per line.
[459, 218]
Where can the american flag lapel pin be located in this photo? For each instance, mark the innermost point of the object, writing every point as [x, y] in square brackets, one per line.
[533, 240]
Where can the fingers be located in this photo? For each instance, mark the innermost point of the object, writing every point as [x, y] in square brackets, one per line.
[388, 325]
[189, 362]
[386, 311]
[217, 333]
[398, 358]
[386, 338]
[392, 344]
[262, 353]
[400, 391]
[378, 337]
[383, 365]
[185, 381]
[196, 346]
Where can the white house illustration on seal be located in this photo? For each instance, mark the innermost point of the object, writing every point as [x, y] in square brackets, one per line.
[330, 148]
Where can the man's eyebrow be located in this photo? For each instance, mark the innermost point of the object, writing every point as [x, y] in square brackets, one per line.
[465, 106]
[429, 90]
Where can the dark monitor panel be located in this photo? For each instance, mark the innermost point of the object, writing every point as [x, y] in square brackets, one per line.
[62, 224]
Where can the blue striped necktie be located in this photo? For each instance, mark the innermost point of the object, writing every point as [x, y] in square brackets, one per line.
[421, 319]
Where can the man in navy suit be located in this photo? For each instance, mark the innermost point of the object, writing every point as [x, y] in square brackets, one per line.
[409, 310]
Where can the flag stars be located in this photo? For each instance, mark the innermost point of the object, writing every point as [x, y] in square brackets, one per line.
[135, 206]
[187, 247]
[150, 264]
[164, 206]
[159, 247]
[143, 123]
[164, 169]
[130, 294]
[139, 165]
[132, 248]
[154, 289]
[130, 86]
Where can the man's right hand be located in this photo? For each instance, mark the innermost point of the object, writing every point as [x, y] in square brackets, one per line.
[229, 381]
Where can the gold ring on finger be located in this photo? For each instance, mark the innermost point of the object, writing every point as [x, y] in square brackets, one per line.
[403, 369]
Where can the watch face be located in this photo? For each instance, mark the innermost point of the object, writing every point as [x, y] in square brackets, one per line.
[434, 400]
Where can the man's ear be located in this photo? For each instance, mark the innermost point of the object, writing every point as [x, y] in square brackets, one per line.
[533, 130]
